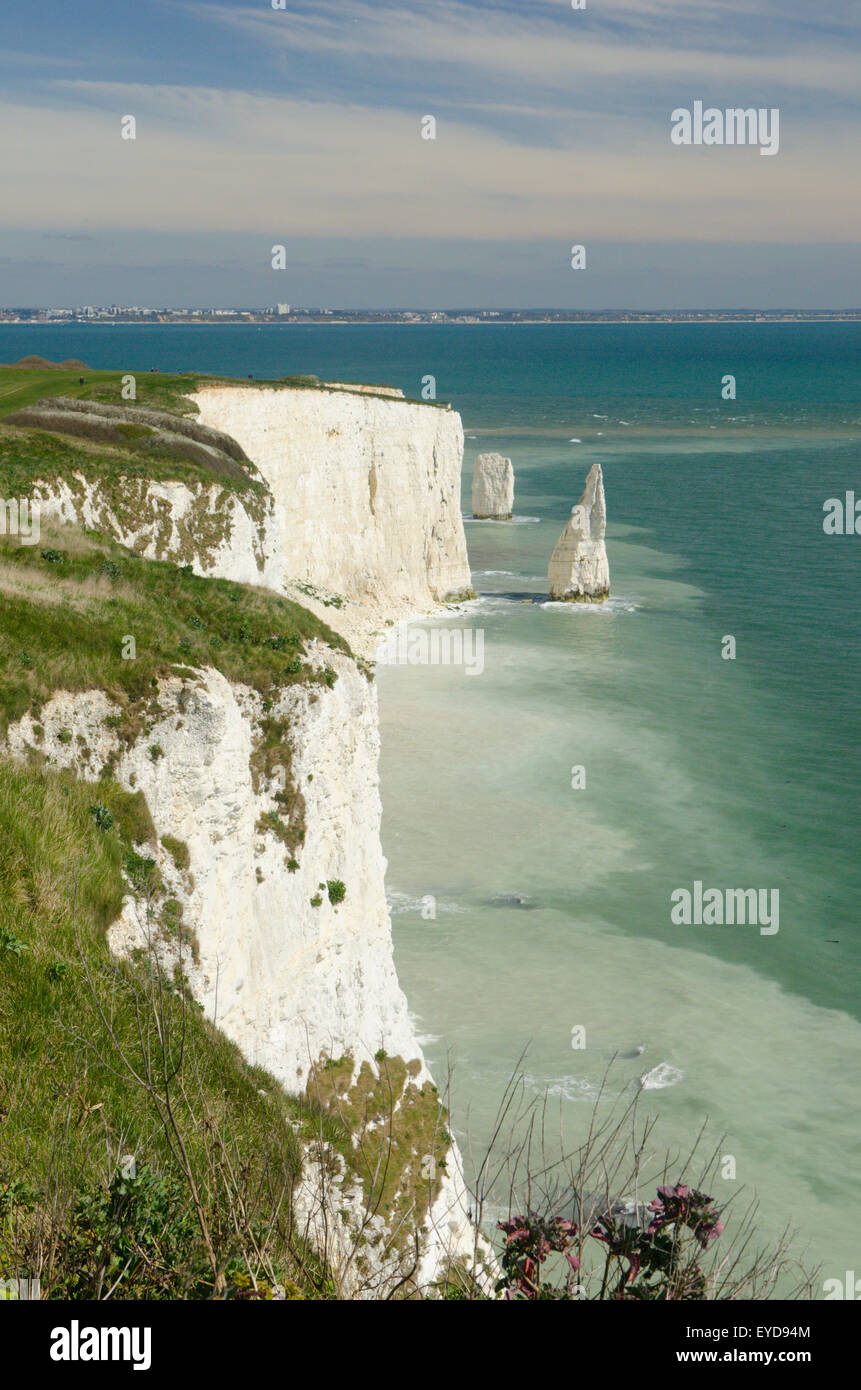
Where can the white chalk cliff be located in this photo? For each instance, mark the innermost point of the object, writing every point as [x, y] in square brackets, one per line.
[579, 571]
[365, 489]
[365, 504]
[493, 488]
[362, 521]
[289, 982]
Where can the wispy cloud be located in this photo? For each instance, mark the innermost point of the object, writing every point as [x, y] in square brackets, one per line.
[553, 128]
[281, 168]
[556, 48]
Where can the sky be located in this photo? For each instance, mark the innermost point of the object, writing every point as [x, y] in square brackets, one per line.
[302, 127]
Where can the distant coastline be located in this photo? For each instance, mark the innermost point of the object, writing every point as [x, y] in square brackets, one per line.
[117, 316]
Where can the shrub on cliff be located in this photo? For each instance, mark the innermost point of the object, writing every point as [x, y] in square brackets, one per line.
[651, 1253]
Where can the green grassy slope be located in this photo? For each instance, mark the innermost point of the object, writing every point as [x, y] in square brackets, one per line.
[37, 455]
[23, 386]
[67, 604]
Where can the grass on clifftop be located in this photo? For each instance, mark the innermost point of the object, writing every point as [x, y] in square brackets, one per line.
[23, 386]
[68, 604]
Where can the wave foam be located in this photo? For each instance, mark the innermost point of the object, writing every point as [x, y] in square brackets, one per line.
[618, 604]
[488, 521]
[573, 1088]
[660, 1076]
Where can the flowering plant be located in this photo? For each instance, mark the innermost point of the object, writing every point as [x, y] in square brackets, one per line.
[648, 1252]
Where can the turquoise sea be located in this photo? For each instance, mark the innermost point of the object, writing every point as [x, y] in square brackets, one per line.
[739, 773]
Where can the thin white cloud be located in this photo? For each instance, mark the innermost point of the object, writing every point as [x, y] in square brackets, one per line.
[542, 50]
[283, 168]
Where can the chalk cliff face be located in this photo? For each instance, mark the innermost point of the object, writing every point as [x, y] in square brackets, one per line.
[579, 571]
[285, 979]
[221, 533]
[362, 521]
[364, 508]
[493, 488]
[290, 975]
[366, 490]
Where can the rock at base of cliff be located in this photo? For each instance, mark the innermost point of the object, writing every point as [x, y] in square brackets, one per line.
[579, 571]
[493, 488]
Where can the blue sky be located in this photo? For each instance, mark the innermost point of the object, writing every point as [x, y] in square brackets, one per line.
[302, 126]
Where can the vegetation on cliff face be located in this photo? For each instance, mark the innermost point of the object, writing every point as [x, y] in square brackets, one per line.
[30, 454]
[79, 612]
[97, 451]
[397, 1134]
[117, 492]
[69, 604]
[142, 433]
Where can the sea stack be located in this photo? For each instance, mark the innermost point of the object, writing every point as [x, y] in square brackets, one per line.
[579, 572]
[493, 488]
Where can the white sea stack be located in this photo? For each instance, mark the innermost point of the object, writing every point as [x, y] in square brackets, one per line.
[493, 488]
[578, 571]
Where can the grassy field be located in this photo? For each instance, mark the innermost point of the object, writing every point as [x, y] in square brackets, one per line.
[21, 386]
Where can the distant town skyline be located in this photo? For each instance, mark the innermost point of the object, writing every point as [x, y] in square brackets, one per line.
[282, 315]
[547, 127]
